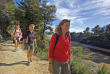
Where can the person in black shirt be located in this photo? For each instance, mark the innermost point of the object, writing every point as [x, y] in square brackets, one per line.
[31, 44]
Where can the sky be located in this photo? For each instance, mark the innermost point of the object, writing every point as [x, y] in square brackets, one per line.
[81, 13]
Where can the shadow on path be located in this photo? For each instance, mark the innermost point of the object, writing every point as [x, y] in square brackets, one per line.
[17, 63]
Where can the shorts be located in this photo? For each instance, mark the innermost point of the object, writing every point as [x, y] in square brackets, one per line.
[30, 46]
[17, 38]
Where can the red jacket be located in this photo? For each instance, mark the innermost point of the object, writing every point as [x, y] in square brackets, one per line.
[61, 51]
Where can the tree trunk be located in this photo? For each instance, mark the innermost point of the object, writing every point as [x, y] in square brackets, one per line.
[43, 31]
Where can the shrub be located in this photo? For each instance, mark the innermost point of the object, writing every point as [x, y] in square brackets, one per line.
[103, 70]
[78, 68]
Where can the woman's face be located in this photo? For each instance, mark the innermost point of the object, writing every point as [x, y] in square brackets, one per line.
[17, 26]
[31, 28]
[65, 27]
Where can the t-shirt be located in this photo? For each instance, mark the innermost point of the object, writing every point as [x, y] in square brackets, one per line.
[31, 36]
[17, 33]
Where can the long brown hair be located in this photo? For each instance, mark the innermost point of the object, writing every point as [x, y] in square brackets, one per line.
[58, 29]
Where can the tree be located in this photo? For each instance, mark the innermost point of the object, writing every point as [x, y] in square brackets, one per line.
[48, 15]
[86, 33]
[6, 15]
[102, 32]
[87, 30]
[96, 30]
[28, 12]
[107, 32]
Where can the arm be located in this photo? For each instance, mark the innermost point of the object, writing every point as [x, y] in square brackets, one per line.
[51, 50]
[70, 51]
[35, 43]
[52, 46]
[70, 45]
[21, 34]
[23, 46]
[12, 35]
[24, 39]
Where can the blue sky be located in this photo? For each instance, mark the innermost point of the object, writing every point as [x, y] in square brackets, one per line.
[82, 13]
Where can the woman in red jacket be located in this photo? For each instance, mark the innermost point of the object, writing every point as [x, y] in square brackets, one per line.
[59, 49]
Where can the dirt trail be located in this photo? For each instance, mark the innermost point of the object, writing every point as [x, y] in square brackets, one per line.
[16, 62]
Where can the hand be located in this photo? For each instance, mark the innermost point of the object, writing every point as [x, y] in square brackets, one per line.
[23, 46]
[50, 68]
[70, 63]
[35, 46]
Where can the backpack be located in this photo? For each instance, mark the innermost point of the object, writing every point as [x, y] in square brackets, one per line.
[14, 33]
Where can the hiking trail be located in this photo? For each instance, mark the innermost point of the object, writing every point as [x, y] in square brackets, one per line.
[16, 62]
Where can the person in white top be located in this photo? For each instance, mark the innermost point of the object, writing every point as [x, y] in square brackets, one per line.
[17, 35]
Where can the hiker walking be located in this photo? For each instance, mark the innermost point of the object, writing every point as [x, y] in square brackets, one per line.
[59, 49]
[16, 36]
[31, 44]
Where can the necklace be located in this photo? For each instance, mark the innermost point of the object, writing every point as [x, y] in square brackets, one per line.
[64, 38]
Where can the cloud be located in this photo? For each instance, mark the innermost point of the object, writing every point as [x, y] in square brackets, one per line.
[76, 29]
[98, 7]
[49, 3]
[102, 11]
[72, 11]
[79, 11]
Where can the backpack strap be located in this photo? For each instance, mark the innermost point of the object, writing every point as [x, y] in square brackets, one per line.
[14, 31]
[19, 31]
[57, 38]
[27, 32]
[69, 37]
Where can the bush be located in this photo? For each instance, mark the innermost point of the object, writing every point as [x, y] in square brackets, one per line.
[103, 70]
[42, 49]
[43, 54]
[78, 52]
[78, 68]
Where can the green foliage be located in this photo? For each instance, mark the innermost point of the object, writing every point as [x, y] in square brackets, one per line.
[100, 36]
[48, 16]
[96, 30]
[42, 51]
[28, 12]
[77, 51]
[107, 31]
[6, 15]
[87, 30]
[76, 64]
[42, 54]
[103, 70]
[78, 68]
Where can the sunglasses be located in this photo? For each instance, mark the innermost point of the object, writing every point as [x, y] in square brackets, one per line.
[67, 20]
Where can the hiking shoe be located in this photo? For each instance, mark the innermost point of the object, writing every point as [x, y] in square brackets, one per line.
[28, 63]
[16, 50]
[31, 59]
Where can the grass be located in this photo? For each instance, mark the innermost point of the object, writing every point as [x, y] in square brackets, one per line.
[42, 54]
[78, 68]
